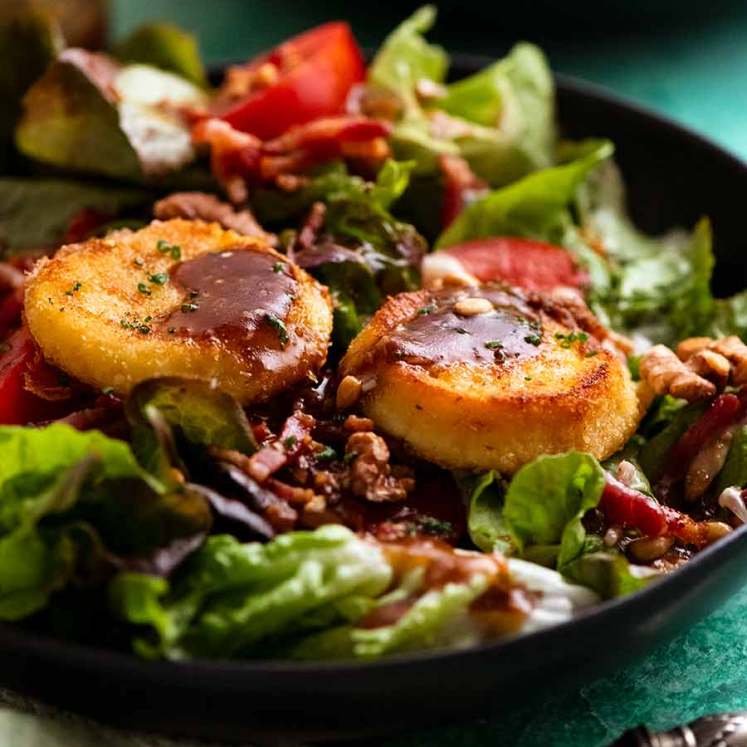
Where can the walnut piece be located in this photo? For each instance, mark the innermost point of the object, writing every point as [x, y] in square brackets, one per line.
[665, 373]
[370, 472]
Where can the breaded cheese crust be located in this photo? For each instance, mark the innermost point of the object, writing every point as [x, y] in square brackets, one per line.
[179, 298]
[489, 378]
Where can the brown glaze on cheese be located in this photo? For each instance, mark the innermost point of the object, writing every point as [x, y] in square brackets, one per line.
[229, 294]
[437, 335]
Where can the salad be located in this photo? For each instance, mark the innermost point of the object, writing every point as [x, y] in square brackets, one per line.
[335, 360]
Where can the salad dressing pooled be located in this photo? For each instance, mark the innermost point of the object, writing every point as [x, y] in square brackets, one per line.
[229, 294]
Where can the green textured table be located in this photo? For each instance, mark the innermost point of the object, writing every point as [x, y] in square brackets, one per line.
[696, 73]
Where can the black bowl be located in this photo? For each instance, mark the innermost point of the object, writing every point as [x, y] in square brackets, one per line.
[674, 177]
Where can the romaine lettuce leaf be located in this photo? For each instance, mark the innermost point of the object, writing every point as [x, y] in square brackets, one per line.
[609, 573]
[233, 598]
[546, 500]
[164, 46]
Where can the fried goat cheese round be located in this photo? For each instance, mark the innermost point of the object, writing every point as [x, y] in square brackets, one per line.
[489, 377]
[179, 298]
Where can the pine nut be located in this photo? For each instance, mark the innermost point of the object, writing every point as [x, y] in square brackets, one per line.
[473, 306]
[647, 549]
[348, 392]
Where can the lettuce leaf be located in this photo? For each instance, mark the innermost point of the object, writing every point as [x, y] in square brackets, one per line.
[164, 46]
[503, 116]
[609, 574]
[485, 523]
[36, 213]
[546, 500]
[70, 500]
[197, 411]
[89, 114]
[232, 599]
[535, 207]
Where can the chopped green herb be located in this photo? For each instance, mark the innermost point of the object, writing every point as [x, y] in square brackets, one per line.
[493, 344]
[51, 302]
[326, 454]
[461, 330]
[165, 248]
[432, 525]
[143, 288]
[278, 267]
[591, 353]
[108, 390]
[290, 442]
[533, 339]
[567, 340]
[144, 329]
[159, 278]
[425, 310]
[527, 378]
[349, 457]
[147, 318]
[74, 289]
[188, 308]
[279, 327]
[176, 252]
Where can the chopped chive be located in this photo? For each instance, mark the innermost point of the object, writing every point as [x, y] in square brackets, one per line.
[533, 339]
[176, 252]
[143, 288]
[188, 308]
[290, 442]
[326, 454]
[144, 329]
[425, 310]
[159, 278]
[74, 289]
[108, 390]
[278, 267]
[279, 327]
[493, 344]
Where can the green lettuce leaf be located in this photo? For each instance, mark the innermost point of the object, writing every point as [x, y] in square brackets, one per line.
[438, 619]
[76, 504]
[36, 213]
[547, 499]
[502, 118]
[164, 46]
[195, 410]
[536, 207]
[485, 523]
[609, 574]
[233, 599]
[90, 114]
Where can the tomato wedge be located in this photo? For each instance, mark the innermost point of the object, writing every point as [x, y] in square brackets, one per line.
[528, 264]
[306, 77]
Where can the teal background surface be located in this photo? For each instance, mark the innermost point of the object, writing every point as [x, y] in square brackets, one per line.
[692, 69]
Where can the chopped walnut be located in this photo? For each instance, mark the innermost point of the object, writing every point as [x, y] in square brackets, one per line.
[710, 358]
[370, 472]
[665, 373]
[202, 206]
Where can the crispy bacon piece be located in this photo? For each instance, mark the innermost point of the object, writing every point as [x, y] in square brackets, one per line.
[238, 158]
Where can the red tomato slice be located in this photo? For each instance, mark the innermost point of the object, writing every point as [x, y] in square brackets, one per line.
[315, 71]
[523, 262]
[17, 406]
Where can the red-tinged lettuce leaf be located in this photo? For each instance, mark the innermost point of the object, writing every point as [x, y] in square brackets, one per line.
[90, 114]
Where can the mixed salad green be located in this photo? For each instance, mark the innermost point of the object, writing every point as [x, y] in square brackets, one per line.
[173, 521]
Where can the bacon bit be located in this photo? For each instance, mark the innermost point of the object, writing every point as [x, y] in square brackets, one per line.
[238, 158]
[461, 187]
[265, 462]
[720, 415]
[290, 493]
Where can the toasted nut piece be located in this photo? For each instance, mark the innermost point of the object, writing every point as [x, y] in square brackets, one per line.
[665, 373]
[648, 549]
[687, 348]
[348, 392]
[473, 306]
[736, 351]
[712, 366]
[715, 530]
